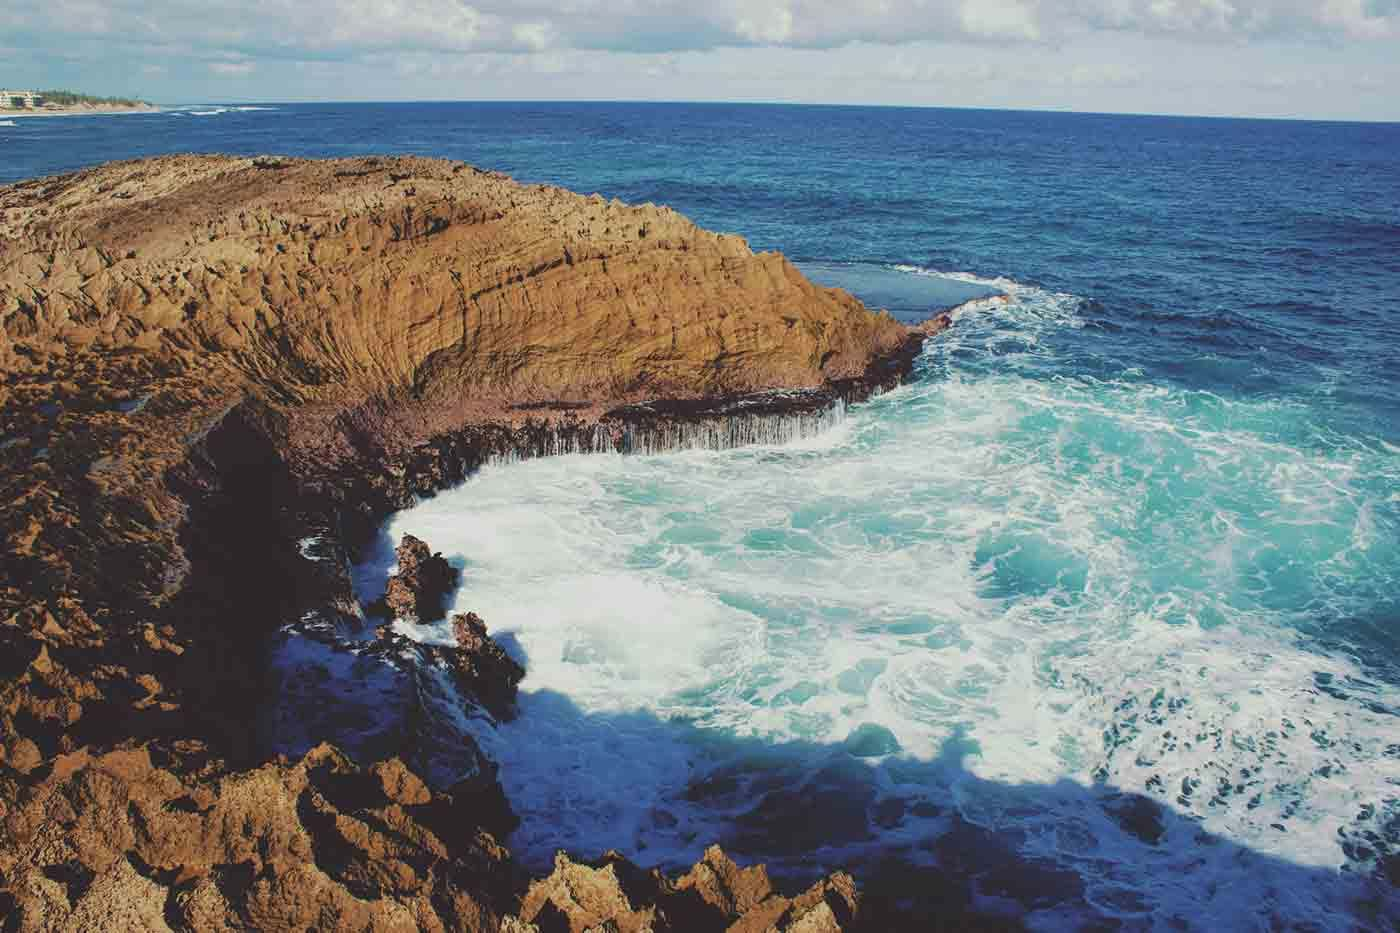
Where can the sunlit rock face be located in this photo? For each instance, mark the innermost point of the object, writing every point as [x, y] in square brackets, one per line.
[222, 373]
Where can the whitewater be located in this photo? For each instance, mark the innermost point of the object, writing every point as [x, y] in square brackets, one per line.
[979, 614]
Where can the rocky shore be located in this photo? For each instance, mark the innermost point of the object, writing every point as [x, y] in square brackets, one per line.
[220, 376]
[77, 110]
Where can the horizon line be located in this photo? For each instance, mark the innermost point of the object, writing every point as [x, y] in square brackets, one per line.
[1364, 121]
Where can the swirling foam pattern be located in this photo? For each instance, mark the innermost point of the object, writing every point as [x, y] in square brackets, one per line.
[1109, 582]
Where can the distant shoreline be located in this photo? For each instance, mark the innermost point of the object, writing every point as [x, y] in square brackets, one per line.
[81, 110]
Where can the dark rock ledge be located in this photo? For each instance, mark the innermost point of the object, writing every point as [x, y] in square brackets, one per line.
[315, 839]
[335, 679]
[361, 845]
[376, 693]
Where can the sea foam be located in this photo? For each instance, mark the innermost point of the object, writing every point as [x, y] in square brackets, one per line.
[989, 600]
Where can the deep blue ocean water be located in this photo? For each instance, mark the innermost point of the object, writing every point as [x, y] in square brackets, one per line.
[1135, 531]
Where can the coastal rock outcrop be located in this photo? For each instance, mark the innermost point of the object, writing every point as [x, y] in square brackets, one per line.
[716, 894]
[219, 375]
[483, 665]
[129, 840]
[419, 588]
[377, 693]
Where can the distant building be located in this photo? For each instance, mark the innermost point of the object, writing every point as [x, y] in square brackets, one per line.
[21, 99]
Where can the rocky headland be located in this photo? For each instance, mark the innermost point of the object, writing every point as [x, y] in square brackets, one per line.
[80, 109]
[220, 376]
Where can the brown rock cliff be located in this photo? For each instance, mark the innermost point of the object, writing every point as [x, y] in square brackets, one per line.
[209, 364]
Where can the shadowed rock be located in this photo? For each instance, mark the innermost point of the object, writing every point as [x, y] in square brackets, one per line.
[485, 669]
[614, 894]
[418, 591]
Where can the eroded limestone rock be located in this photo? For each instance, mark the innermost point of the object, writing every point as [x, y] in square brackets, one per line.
[483, 665]
[123, 841]
[614, 894]
[418, 590]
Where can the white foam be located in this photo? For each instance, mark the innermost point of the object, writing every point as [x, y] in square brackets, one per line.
[1100, 581]
[213, 110]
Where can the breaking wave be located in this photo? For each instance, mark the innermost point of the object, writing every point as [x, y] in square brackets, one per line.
[1006, 575]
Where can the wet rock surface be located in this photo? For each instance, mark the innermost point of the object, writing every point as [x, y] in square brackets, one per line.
[418, 590]
[375, 692]
[217, 381]
[483, 666]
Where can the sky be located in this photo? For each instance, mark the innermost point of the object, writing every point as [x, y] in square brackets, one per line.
[1320, 59]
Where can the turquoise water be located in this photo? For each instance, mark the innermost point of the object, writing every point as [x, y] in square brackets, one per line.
[1132, 535]
[1115, 583]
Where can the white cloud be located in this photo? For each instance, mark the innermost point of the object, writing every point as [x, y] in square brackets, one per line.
[232, 69]
[1104, 75]
[1198, 56]
[768, 27]
[348, 28]
[535, 36]
[1362, 19]
[908, 69]
[659, 66]
[964, 74]
[1000, 19]
[369, 23]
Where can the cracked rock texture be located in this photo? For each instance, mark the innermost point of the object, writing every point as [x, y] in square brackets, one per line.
[716, 894]
[122, 841]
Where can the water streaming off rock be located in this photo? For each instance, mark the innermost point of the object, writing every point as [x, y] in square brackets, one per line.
[721, 431]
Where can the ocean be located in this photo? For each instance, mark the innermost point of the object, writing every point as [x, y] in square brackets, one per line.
[1097, 619]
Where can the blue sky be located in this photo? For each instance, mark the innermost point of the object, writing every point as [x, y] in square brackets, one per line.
[1336, 59]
